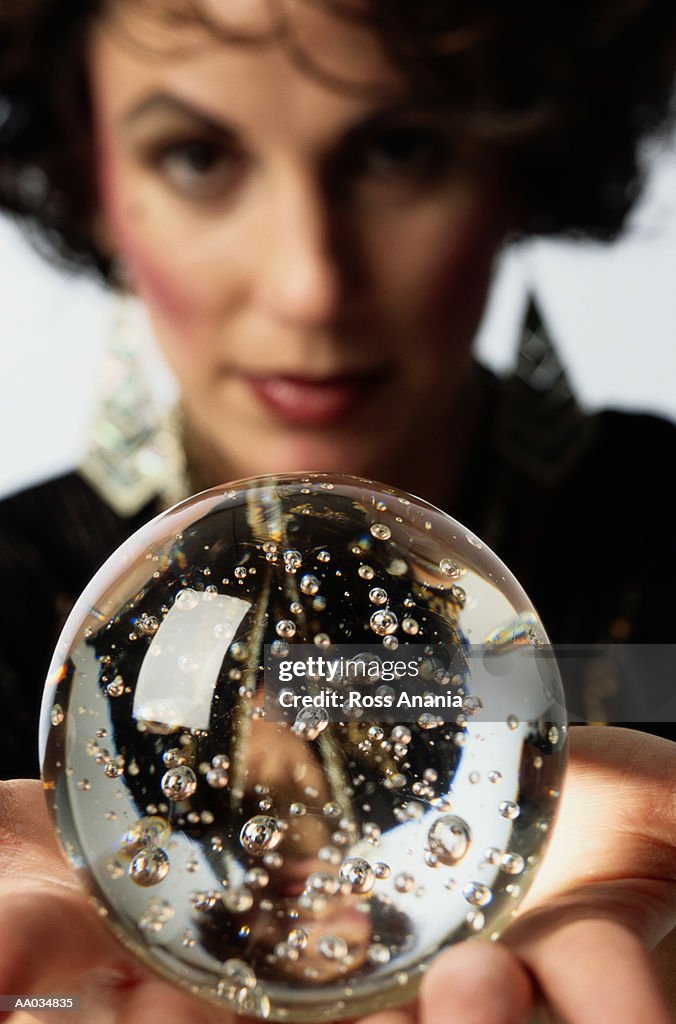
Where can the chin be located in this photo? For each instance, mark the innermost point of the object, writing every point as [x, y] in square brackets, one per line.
[277, 457]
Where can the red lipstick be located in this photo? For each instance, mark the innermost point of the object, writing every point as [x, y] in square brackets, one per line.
[310, 402]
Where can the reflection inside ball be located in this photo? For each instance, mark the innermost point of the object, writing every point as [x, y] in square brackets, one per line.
[300, 845]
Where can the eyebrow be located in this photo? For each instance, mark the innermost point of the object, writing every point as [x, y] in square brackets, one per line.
[165, 102]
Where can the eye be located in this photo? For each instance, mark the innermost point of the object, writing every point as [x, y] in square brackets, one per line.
[200, 169]
[411, 153]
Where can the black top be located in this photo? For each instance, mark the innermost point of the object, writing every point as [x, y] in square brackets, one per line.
[580, 507]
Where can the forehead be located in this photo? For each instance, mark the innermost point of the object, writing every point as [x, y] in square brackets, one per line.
[299, 55]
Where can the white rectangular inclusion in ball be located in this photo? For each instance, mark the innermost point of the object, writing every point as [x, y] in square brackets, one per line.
[176, 683]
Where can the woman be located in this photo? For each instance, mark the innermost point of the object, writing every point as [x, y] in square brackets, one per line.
[308, 199]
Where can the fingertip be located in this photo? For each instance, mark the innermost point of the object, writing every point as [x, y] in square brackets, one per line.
[594, 969]
[63, 926]
[156, 1002]
[476, 982]
[397, 1015]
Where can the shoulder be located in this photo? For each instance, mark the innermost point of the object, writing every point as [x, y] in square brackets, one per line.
[548, 442]
[53, 538]
[583, 512]
[60, 519]
[642, 433]
[60, 495]
[616, 492]
[629, 463]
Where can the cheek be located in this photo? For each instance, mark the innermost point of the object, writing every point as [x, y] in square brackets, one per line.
[435, 265]
[162, 286]
[459, 282]
[158, 270]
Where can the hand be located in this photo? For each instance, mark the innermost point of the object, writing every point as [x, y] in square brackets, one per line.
[51, 941]
[606, 890]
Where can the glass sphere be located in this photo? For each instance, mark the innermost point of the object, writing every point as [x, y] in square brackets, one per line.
[307, 861]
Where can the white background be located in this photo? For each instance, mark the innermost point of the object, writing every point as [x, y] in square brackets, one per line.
[612, 311]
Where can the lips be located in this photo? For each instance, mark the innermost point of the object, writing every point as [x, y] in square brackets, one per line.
[291, 881]
[312, 402]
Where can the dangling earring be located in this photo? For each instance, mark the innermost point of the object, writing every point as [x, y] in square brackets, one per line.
[538, 364]
[135, 453]
[542, 428]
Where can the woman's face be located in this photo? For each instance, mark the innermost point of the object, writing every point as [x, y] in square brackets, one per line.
[314, 259]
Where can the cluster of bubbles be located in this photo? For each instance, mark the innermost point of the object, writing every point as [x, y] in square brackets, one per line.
[305, 867]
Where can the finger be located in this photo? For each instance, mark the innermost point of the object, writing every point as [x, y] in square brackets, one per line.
[591, 970]
[155, 1002]
[476, 982]
[606, 829]
[87, 962]
[51, 942]
[26, 829]
[51, 939]
[98, 995]
[398, 1015]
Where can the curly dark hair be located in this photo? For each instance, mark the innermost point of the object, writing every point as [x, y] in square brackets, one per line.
[562, 92]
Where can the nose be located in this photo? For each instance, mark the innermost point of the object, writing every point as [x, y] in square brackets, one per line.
[301, 280]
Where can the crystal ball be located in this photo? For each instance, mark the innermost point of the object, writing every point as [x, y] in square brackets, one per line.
[299, 735]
